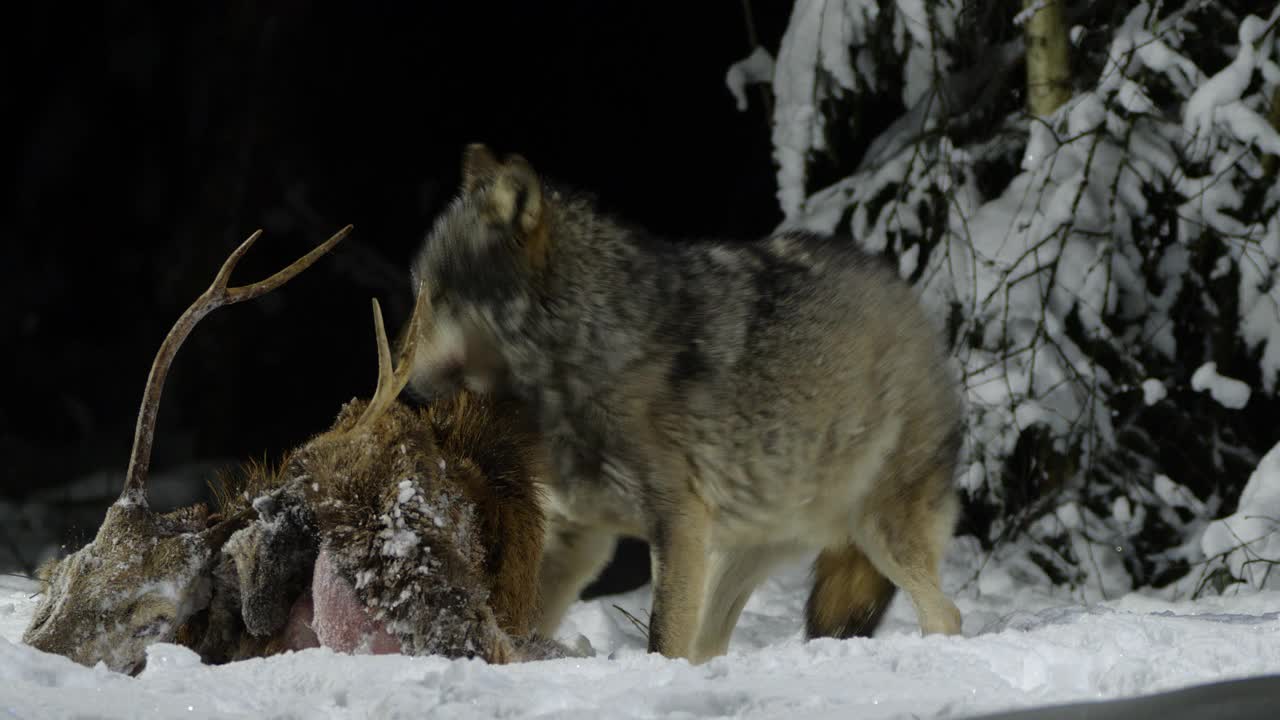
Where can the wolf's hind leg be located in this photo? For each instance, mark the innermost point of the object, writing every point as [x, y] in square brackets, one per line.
[849, 595]
[732, 575]
[572, 557]
[906, 541]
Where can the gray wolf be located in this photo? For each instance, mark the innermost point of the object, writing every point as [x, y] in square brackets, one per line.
[734, 404]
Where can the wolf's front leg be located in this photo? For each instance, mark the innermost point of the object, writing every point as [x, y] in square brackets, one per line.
[679, 547]
[573, 556]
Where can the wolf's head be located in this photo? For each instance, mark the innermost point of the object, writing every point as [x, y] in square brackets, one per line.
[479, 267]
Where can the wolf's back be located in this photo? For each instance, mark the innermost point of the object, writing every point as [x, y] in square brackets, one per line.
[797, 321]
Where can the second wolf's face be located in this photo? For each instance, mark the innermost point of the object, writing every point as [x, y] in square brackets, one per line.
[477, 267]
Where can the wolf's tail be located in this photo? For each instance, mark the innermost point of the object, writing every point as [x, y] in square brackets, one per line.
[849, 595]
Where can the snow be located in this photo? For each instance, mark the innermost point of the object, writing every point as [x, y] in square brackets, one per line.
[1025, 14]
[1260, 299]
[794, 114]
[754, 68]
[818, 44]
[1249, 539]
[1228, 392]
[1025, 644]
[1177, 496]
[1222, 93]
[1153, 391]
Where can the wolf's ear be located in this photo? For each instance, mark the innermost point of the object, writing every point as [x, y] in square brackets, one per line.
[516, 197]
[478, 165]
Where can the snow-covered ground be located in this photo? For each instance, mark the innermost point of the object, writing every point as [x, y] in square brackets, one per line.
[1022, 647]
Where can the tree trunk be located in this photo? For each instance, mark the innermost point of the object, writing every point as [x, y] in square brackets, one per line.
[1048, 67]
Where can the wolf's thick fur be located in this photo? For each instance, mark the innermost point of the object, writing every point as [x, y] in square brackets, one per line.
[733, 404]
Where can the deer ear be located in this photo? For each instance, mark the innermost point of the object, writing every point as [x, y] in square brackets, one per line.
[515, 199]
[478, 165]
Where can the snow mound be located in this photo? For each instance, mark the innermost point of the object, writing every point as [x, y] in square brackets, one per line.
[1022, 648]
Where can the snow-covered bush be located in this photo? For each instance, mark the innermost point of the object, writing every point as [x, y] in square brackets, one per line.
[1107, 274]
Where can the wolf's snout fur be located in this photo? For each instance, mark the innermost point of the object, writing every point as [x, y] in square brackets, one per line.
[735, 404]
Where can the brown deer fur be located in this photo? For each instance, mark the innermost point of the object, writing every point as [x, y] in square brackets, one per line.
[428, 518]
[478, 470]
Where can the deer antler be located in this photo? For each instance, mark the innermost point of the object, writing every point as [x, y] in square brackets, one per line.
[392, 381]
[216, 296]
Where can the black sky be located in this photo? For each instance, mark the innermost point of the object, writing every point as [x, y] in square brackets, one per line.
[151, 138]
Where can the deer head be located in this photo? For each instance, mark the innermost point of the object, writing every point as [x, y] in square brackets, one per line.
[145, 573]
[427, 519]
[267, 566]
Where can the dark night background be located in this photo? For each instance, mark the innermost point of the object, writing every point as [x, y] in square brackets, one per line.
[151, 139]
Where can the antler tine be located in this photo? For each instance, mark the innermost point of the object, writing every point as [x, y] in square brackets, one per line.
[392, 381]
[386, 375]
[216, 296]
[262, 287]
[224, 273]
[404, 363]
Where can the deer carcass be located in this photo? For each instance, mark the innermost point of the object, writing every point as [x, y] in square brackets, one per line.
[399, 529]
